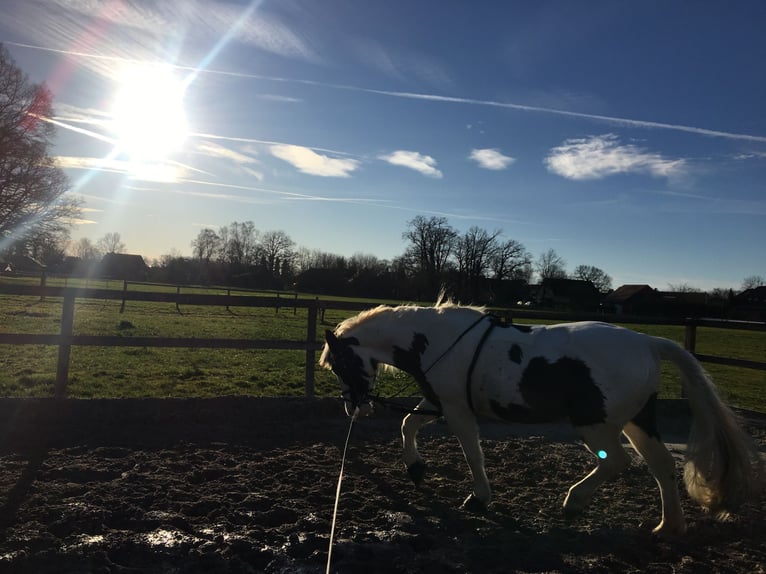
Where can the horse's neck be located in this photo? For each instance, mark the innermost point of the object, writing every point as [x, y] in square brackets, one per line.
[405, 330]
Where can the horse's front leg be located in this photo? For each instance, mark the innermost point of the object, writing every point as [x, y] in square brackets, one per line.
[463, 424]
[411, 425]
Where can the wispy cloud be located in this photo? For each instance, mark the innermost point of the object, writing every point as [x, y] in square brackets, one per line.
[490, 158]
[308, 161]
[614, 120]
[424, 164]
[146, 25]
[597, 157]
[215, 150]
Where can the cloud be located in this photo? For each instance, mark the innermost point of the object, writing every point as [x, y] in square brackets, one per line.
[425, 164]
[597, 157]
[218, 151]
[309, 161]
[491, 159]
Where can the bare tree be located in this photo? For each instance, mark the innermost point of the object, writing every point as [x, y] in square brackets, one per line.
[598, 277]
[753, 281]
[550, 266]
[473, 252]
[683, 288]
[111, 243]
[84, 249]
[32, 187]
[511, 260]
[239, 243]
[206, 245]
[431, 243]
[276, 247]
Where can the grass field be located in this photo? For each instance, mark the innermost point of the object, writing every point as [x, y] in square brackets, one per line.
[95, 372]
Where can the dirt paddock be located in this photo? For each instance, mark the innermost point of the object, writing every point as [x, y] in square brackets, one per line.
[248, 485]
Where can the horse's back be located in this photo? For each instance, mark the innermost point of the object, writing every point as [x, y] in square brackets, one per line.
[587, 371]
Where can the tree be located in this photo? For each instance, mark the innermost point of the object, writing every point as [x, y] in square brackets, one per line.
[683, 288]
[111, 243]
[84, 249]
[431, 243]
[276, 248]
[752, 282]
[599, 278]
[550, 266]
[511, 260]
[206, 245]
[239, 243]
[32, 188]
[473, 252]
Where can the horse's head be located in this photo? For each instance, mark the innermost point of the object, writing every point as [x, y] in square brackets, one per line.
[355, 372]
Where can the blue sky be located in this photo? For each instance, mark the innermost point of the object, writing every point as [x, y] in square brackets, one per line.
[629, 136]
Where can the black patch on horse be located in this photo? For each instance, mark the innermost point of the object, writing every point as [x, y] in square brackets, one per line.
[347, 365]
[518, 414]
[515, 354]
[554, 391]
[409, 362]
[646, 419]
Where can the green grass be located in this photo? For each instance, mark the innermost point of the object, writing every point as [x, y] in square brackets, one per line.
[29, 370]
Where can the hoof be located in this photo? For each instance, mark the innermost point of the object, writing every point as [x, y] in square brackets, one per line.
[474, 505]
[668, 533]
[571, 512]
[417, 470]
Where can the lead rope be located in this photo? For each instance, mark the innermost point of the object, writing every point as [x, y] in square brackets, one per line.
[337, 490]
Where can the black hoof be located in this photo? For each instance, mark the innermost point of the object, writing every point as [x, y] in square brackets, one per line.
[417, 470]
[474, 505]
[571, 514]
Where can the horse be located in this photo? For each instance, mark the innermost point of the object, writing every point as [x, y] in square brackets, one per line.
[602, 378]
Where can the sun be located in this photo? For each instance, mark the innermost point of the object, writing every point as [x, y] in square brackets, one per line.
[148, 116]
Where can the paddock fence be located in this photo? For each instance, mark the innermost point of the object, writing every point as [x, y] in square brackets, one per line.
[66, 338]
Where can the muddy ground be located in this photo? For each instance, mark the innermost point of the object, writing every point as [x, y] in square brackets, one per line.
[248, 485]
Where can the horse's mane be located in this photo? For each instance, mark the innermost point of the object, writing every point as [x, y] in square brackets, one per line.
[443, 303]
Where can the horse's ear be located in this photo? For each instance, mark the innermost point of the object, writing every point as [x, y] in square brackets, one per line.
[330, 337]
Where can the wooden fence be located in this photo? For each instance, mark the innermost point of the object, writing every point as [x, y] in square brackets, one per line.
[66, 338]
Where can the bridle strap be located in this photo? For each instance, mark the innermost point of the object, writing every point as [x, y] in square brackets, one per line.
[456, 341]
[476, 353]
[388, 403]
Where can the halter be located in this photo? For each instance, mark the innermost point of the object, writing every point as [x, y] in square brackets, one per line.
[493, 322]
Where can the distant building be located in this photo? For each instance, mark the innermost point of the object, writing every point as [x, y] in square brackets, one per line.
[632, 300]
[572, 294]
[750, 305]
[123, 266]
[20, 264]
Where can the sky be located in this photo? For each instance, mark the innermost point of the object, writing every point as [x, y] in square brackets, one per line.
[627, 136]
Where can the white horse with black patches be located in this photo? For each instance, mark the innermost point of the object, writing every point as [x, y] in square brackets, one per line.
[604, 379]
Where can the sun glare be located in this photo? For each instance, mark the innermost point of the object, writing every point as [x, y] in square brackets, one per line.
[148, 113]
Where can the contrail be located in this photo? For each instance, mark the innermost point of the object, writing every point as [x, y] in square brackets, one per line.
[646, 124]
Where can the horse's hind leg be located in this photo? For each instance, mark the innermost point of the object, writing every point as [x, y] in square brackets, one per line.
[663, 468]
[603, 440]
[411, 425]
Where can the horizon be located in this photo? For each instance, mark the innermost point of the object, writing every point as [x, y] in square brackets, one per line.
[627, 138]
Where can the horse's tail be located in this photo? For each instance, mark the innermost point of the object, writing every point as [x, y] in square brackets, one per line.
[723, 466]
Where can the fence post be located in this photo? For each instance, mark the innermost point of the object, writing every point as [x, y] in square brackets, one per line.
[124, 294]
[65, 347]
[690, 342]
[311, 337]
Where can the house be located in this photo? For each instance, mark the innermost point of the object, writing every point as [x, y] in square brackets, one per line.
[571, 294]
[632, 300]
[750, 305]
[123, 266]
[20, 264]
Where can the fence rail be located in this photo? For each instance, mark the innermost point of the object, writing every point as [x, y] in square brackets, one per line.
[315, 307]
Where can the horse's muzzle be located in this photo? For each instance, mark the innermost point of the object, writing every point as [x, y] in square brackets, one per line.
[365, 408]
